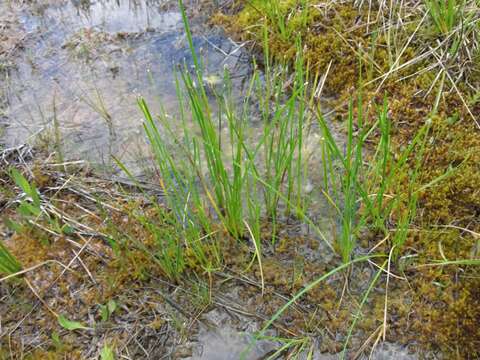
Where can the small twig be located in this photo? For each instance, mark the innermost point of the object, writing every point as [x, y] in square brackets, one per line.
[384, 335]
[40, 299]
[258, 254]
[85, 267]
[33, 268]
[475, 234]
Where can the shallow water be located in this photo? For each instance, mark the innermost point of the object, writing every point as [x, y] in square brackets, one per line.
[85, 64]
[226, 342]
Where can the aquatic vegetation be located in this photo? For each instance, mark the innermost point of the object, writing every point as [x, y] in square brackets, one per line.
[233, 199]
[269, 162]
[356, 186]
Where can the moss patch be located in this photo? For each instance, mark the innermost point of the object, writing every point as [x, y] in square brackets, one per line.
[438, 305]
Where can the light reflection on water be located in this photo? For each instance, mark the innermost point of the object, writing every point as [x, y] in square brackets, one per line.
[86, 64]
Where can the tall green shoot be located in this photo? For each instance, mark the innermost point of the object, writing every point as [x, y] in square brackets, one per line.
[445, 14]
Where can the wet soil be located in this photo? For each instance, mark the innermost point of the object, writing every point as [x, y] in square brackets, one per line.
[195, 318]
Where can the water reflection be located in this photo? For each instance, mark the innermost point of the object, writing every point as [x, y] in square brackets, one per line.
[87, 62]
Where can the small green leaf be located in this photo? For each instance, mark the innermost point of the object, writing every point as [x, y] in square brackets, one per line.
[13, 225]
[57, 342]
[26, 209]
[8, 263]
[104, 312]
[107, 353]
[107, 310]
[114, 245]
[67, 229]
[34, 195]
[112, 306]
[20, 180]
[453, 119]
[70, 325]
[27, 188]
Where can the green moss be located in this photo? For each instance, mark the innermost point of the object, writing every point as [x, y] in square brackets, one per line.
[441, 303]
